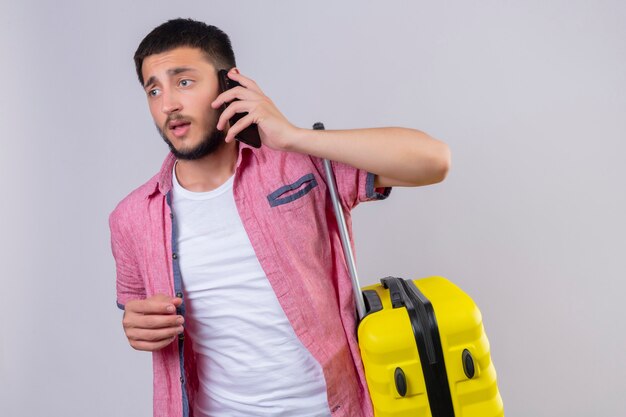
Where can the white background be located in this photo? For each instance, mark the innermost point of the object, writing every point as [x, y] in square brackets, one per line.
[530, 96]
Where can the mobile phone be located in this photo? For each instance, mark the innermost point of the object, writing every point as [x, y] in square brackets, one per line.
[250, 135]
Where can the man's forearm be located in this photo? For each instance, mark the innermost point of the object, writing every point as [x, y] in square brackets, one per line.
[398, 156]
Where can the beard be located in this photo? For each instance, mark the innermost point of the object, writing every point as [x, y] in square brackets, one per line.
[212, 140]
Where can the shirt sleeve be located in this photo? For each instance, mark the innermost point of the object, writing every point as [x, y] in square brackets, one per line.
[353, 185]
[129, 282]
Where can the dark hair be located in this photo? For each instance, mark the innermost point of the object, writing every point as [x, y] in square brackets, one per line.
[186, 32]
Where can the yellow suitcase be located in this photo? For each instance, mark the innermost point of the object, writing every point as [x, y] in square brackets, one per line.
[425, 351]
[422, 342]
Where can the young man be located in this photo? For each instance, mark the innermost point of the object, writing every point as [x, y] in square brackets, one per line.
[229, 263]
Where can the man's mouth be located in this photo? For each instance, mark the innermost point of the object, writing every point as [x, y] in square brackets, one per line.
[179, 128]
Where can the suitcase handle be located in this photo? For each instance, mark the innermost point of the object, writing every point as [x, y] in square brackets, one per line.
[396, 291]
[405, 294]
[343, 233]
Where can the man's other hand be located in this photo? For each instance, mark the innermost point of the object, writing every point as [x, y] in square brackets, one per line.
[152, 324]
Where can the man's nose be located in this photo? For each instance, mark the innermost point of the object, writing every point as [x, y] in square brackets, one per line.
[170, 103]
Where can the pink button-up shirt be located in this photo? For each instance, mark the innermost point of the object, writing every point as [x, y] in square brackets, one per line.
[286, 210]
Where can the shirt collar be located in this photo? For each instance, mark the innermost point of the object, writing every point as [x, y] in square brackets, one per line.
[163, 180]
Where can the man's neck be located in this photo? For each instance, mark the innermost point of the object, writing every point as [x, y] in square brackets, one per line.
[208, 173]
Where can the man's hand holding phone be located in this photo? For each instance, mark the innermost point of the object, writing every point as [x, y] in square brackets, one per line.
[245, 98]
[152, 324]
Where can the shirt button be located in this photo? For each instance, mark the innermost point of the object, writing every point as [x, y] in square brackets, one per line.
[171, 215]
[181, 380]
[179, 294]
[174, 255]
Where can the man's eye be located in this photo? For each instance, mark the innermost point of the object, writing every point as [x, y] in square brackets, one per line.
[154, 92]
[185, 83]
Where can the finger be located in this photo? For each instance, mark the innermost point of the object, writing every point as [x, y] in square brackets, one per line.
[230, 111]
[161, 297]
[158, 304]
[150, 335]
[152, 321]
[236, 93]
[249, 83]
[151, 346]
[241, 124]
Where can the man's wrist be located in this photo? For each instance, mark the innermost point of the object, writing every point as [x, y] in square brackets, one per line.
[300, 141]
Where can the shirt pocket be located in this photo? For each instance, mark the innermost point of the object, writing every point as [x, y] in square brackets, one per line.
[296, 194]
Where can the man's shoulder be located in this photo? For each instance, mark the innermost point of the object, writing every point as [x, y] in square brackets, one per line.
[130, 208]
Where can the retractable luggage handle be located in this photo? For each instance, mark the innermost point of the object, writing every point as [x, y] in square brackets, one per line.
[343, 232]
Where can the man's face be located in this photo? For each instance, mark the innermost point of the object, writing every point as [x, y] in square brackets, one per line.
[180, 85]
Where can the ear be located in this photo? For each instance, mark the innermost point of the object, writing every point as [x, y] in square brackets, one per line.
[234, 70]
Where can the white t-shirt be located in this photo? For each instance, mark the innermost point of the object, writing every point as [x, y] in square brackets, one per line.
[250, 362]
